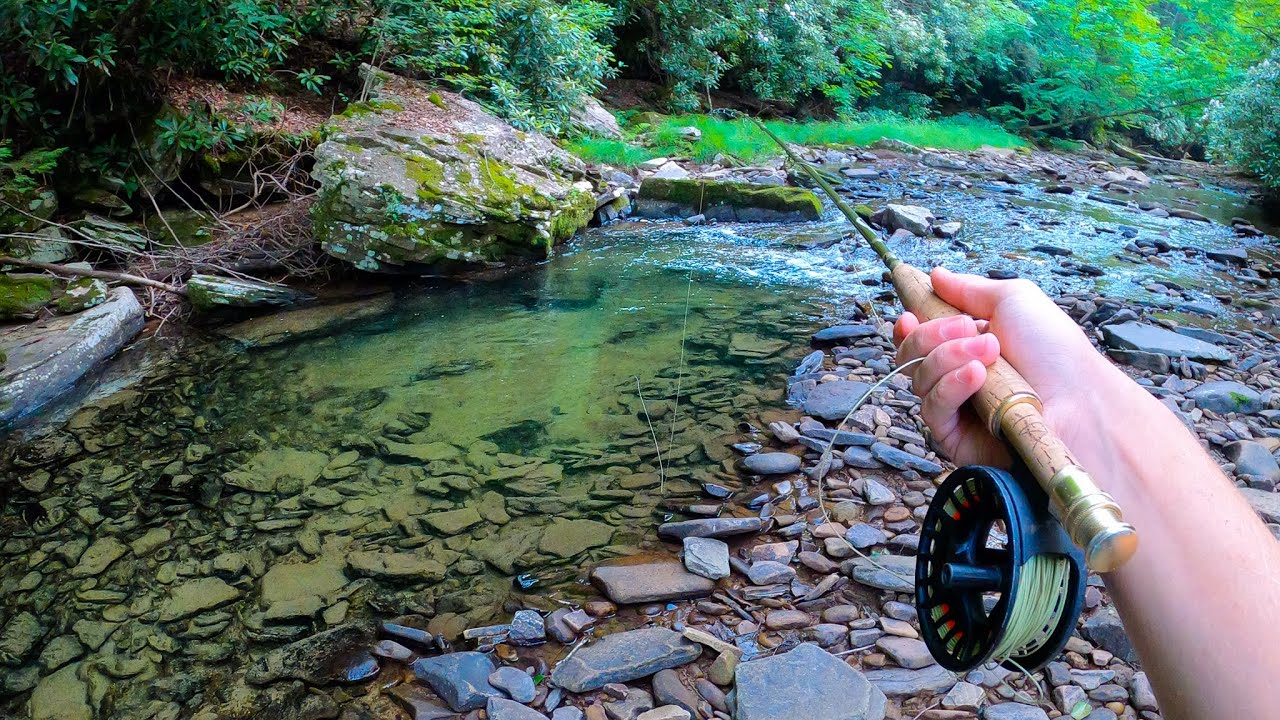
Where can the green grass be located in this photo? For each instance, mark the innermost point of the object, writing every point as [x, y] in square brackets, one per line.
[742, 140]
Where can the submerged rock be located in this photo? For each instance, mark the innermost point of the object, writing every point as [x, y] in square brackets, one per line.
[306, 322]
[728, 201]
[417, 177]
[807, 683]
[623, 657]
[61, 696]
[321, 659]
[195, 597]
[567, 538]
[45, 359]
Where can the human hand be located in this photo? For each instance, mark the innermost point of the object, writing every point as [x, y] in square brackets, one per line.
[1010, 317]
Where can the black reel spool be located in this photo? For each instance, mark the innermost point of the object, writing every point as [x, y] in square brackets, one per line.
[969, 584]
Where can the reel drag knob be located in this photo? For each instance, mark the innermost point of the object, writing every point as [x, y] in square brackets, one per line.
[997, 577]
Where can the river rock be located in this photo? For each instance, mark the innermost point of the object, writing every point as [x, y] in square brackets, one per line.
[319, 320]
[271, 468]
[569, 538]
[863, 536]
[420, 177]
[100, 555]
[649, 578]
[196, 596]
[46, 358]
[912, 218]
[1252, 458]
[725, 201]
[594, 119]
[706, 557]
[452, 522]
[964, 696]
[901, 682]
[807, 683]
[19, 638]
[527, 628]
[61, 696]
[773, 463]
[840, 333]
[899, 577]
[209, 292]
[502, 709]
[1226, 396]
[1152, 339]
[834, 400]
[460, 679]
[906, 652]
[1263, 502]
[1014, 711]
[394, 567]
[287, 582]
[668, 690]
[622, 657]
[1105, 630]
[710, 528]
[514, 682]
[321, 659]
[903, 460]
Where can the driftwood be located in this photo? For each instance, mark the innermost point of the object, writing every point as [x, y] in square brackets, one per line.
[125, 278]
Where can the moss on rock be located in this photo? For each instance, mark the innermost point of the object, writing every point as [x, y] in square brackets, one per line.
[23, 295]
[743, 202]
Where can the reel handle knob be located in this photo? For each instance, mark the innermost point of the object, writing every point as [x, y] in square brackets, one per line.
[1010, 408]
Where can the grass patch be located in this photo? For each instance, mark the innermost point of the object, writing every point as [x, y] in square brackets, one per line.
[742, 140]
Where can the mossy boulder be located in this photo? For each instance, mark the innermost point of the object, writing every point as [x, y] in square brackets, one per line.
[728, 201]
[22, 296]
[82, 294]
[210, 292]
[417, 177]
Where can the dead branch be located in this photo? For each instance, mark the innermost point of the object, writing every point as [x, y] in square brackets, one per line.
[125, 278]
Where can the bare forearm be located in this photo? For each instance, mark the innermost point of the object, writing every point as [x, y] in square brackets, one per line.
[1198, 598]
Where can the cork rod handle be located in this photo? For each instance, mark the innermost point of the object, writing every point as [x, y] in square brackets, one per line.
[1008, 405]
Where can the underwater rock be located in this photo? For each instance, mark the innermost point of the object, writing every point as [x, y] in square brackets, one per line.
[420, 177]
[725, 201]
[307, 322]
[321, 659]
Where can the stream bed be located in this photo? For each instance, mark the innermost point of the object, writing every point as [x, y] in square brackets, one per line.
[495, 439]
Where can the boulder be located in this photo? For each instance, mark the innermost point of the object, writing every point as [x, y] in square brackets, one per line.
[1152, 339]
[726, 201]
[622, 657]
[418, 177]
[807, 683]
[46, 358]
[209, 292]
[23, 295]
[914, 219]
[593, 118]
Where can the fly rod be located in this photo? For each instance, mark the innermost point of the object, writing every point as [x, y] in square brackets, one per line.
[1053, 527]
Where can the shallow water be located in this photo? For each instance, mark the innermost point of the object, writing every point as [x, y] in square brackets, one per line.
[533, 401]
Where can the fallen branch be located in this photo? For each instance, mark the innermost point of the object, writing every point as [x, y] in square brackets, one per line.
[125, 278]
[1108, 116]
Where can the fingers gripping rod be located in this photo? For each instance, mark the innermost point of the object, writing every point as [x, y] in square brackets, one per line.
[1013, 412]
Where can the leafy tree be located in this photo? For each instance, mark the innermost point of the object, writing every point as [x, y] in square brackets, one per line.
[1244, 127]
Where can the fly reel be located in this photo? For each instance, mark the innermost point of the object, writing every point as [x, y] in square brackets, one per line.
[997, 577]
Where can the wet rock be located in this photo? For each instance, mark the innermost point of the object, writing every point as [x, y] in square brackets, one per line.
[502, 709]
[392, 650]
[1226, 396]
[841, 333]
[287, 582]
[19, 638]
[622, 657]
[774, 463]
[58, 652]
[453, 522]
[527, 628]
[277, 467]
[1253, 458]
[807, 683]
[292, 325]
[568, 538]
[912, 218]
[1152, 339]
[394, 567]
[420, 703]
[515, 683]
[1014, 711]
[46, 358]
[649, 578]
[725, 201]
[834, 400]
[461, 679]
[706, 557]
[61, 696]
[901, 682]
[710, 528]
[196, 596]
[324, 658]
[92, 633]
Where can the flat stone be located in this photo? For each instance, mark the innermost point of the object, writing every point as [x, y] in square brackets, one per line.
[421, 703]
[461, 679]
[527, 628]
[787, 619]
[286, 582]
[1152, 339]
[964, 696]
[394, 567]
[453, 522]
[631, 706]
[665, 712]
[807, 683]
[875, 492]
[293, 325]
[502, 709]
[197, 596]
[320, 659]
[863, 536]
[61, 696]
[1105, 630]
[834, 400]
[622, 657]
[1226, 396]
[767, 572]
[900, 576]
[515, 683]
[649, 578]
[845, 332]
[903, 460]
[1014, 711]
[774, 463]
[569, 538]
[906, 652]
[1252, 458]
[668, 690]
[710, 528]
[707, 557]
[99, 557]
[1263, 502]
[901, 682]
[912, 218]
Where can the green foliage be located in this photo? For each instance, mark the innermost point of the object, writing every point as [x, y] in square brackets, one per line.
[1244, 127]
[22, 174]
[742, 140]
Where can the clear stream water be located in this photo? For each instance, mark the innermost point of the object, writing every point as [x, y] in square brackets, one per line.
[523, 399]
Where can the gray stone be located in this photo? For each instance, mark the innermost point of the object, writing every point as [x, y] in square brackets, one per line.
[622, 657]
[964, 696]
[707, 557]
[421, 703]
[1226, 396]
[1142, 694]
[527, 628]
[632, 705]
[44, 359]
[768, 572]
[863, 536]
[515, 683]
[210, 292]
[1253, 458]
[593, 118]
[899, 577]
[1067, 697]
[292, 325]
[502, 709]
[709, 528]
[1092, 679]
[1105, 630]
[903, 460]
[875, 493]
[844, 332]
[1263, 502]
[906, 652]
[461, 679]
[834, 400]
[196, 596]
[568, 712]
[649, 578]
[665, 712]
[668, 690]
[321, 659]
[1014, 711]
[901, 682]
[912, 218]
[807, 683]
[1149, 338]
[774, 463]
